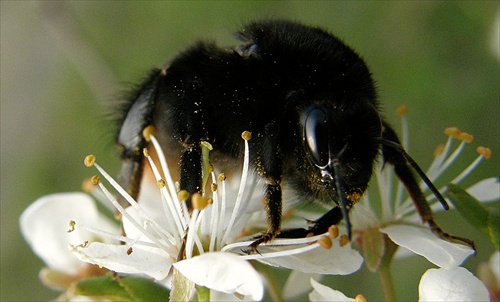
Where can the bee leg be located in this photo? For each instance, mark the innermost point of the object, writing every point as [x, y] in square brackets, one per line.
[130, 140]
[321, 225]
[270, 163]
[394, 154]
[273, 208]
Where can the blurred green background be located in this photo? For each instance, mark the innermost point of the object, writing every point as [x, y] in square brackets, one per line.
[62, 62]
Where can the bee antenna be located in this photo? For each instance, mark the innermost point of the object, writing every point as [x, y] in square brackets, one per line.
[398, 148]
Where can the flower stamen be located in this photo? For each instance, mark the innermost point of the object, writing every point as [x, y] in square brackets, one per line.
[246, 135]
[485, 152]
[333, 231]
[325, 242]
[133, 203]
[471, 167]
[166, 197]
[343, 240]
[166, 172]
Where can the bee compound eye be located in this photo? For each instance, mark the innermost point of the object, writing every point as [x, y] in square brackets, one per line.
[315, 136]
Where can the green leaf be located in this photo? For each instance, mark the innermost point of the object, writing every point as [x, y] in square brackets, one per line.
[482, 218]
[121, 289]
[141, 289]
[102, 287]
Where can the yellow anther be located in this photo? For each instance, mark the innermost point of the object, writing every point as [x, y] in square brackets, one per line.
[199, 202]
[145, 152]
[147, 132]
[343, 240]
[439, 150]
[485, 152]
[401, 110]
[72, 224]
[359, 298]
[325, 242]
[183, 195]
[454, 132]
[87, 185]
[221, 177]
[210, 201]
[89, 160]
[95, 180]
[246, 135]
[210, 168]
[466, 137]
[214, 187]
[161, 183]
[333, 231]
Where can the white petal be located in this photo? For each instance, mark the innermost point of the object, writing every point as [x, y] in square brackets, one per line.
[425, 243]
[45, 223]
[298, 283]
[324, 293]
[457, 284]
[335, 261]
[220, 297]
[486, 190]
[152, 262]
[224, 272]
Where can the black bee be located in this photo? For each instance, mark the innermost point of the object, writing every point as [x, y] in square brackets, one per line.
[307, 98]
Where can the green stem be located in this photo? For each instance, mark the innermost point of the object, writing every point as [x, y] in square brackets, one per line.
[384, 271]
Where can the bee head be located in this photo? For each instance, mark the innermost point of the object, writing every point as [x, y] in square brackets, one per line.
[340, 147]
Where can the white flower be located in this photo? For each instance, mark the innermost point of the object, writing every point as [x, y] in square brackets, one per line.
[456, 284]
[402, 224]
[159, 232]
[44, 225]
[399, 219]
